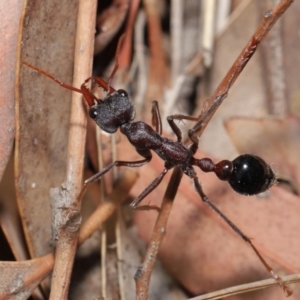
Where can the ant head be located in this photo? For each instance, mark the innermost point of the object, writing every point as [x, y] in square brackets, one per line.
[113, 111]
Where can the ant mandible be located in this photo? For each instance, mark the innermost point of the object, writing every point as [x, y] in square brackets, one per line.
[247, 174]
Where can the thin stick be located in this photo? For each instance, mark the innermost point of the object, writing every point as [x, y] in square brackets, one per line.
[220, 94]
[245, 288]
[67, 242]
[143, 274]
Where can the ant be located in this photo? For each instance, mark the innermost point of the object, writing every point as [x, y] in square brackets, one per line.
[247, 174]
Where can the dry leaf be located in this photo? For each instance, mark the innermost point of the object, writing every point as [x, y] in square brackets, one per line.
[10, 15]
[43, 110]
[277, 140]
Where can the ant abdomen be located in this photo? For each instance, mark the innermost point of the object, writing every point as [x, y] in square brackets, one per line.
[247, 174]
[251, 175]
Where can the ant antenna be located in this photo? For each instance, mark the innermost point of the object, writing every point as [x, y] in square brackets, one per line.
[116, 62]
[89, 97]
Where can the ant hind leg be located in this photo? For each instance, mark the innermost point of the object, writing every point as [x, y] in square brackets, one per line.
[198, 188]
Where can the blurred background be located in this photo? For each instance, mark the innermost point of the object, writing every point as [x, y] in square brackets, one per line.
[175, 52]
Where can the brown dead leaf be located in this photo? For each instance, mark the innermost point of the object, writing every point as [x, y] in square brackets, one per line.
[275, 140]
[43, 114]
[10, 15]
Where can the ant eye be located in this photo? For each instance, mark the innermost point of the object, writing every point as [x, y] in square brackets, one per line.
[123, 93]
[93, 113]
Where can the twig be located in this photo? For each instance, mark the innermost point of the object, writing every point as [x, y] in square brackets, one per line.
[67, 240]
[220, 94]
[143, 274]
[249, 287]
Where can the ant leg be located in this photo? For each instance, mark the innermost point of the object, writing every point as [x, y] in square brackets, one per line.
[289, 184]
[147, 191]
[193, 137]
[205, 199]
[200, 121]
[132, 164]
[207, 114]
[117, 163]
[156, 119]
